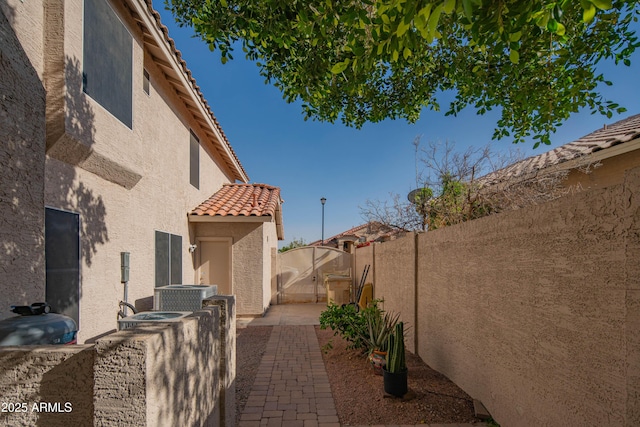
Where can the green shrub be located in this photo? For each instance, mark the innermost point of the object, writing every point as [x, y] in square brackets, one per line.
[346, 321]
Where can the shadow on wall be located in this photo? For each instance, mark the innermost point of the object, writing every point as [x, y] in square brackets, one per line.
[144, 304]
[184, 373]
[171, 370]
[69, 388]
[22, 142]
[65, 191]
[30, 181]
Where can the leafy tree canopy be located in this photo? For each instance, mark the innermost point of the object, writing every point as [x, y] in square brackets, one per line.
[368, 60]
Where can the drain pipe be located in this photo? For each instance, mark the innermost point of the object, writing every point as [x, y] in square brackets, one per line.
[124, 278]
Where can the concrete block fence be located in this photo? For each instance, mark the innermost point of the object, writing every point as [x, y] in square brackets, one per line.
[536, 312]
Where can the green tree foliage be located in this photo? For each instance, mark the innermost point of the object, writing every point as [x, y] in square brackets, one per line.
[295, 243]
[368, 60]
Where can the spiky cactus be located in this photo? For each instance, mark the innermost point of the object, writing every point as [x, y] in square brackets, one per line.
[395, 350]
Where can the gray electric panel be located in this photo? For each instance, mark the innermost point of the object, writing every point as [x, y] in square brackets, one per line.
[124, 266]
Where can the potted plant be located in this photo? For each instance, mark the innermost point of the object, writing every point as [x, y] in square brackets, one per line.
[395, 371]
[378, 325]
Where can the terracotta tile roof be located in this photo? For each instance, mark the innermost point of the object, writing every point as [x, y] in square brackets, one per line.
[234, 161]
[610, 135]
[370, 229]
[241, 200]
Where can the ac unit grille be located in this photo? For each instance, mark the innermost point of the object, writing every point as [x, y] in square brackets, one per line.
[182, 298]
[150, 318]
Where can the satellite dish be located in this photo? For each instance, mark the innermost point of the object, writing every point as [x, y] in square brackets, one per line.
[413, 193]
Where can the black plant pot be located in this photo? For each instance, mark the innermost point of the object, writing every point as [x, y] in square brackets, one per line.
[395, 384]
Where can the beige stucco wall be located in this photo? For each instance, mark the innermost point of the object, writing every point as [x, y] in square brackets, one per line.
[26, 17]
[365, 256]
[170, 377]
[163, 375]
[125, 183]
[250, 259]
[60, 375]
[535, 312]
[270, 243]
[22, 145]
[526, 311]
[226, 305]
[610, 170]
[395, 282]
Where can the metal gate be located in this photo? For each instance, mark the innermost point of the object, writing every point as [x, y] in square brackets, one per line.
[302, 271]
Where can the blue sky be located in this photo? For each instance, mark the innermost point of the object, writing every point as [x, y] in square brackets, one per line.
[309, 159]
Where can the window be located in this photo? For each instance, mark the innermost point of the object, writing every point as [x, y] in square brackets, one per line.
[62, 262]
[168, 259]
[145, 81]
[194, 161]
[108, 60]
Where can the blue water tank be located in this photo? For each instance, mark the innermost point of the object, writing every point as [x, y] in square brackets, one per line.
[36, 326]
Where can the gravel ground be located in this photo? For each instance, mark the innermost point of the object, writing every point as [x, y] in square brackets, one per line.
[360, 397]
[357, 391]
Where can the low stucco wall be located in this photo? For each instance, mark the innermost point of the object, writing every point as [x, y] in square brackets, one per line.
[170, 376]
[163, 375]
[58, 377]
[536, 313]
[227, 365]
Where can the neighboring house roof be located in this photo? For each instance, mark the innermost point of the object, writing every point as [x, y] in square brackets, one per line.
[624, 135]
[242, 202]
[372, 230]
[352, 231]
[164, 53]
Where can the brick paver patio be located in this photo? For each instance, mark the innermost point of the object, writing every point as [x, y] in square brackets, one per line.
[292, 387]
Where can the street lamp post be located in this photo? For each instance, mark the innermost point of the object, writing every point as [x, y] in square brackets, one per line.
[323, 201]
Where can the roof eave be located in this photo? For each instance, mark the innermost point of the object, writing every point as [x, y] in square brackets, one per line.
[194, 218]
[229, 218]
[166, 57]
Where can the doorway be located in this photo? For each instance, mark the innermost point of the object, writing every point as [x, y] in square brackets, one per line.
[214, 260]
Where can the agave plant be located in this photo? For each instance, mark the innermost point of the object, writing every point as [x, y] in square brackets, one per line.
[395, 352]
[379, 325]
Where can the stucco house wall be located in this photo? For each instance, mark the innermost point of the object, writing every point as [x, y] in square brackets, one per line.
[125, 182]
[251, 262]
[610, 170]
[155, 153]
[24, 17]
[22, 142]
[269, 252]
